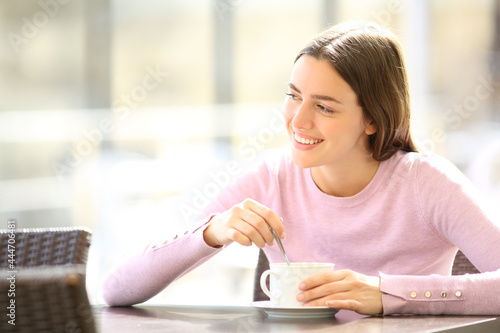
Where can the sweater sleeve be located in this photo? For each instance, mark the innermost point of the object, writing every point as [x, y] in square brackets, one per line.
[470, 294]
[452, 209]
[145, 274]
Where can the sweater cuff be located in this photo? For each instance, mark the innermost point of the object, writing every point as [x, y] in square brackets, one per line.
[198, 233]
[434, 294]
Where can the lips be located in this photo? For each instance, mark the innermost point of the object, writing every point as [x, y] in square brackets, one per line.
[306, 140]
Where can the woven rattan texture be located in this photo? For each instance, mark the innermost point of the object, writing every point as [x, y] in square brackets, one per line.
[462, 265]
[262, 265]
[38, 247]
[48, 299]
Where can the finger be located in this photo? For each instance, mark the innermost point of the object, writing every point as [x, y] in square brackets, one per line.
[361, 301]
[259, 224]
[241, 220]
[246, 228]
[318, 302]
[254, 213]
[320, 279]
[372, 308]
[238, 237]
[345, 304]
[340, 294]
[251, 234]
[333, 289]
[270, 217]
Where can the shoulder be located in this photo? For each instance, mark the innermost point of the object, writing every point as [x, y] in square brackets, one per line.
[436, 182]
[275, 162]
[265, 168]
[427, 166]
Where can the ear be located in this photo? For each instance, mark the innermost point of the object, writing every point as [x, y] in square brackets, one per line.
[370, 127]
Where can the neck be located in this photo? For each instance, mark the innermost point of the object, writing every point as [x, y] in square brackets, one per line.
[346, 179]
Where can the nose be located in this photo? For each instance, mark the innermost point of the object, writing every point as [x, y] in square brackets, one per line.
[302, 118]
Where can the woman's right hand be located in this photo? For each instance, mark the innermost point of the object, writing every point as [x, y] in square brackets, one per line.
[246, 223]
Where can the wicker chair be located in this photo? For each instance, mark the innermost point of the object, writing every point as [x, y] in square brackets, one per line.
[461, 266]
[46, 281]
[51, 246]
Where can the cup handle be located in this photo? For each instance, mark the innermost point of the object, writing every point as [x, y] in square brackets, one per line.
[264, 288]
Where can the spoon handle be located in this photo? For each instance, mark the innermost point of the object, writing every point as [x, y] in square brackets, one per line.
[278, 240]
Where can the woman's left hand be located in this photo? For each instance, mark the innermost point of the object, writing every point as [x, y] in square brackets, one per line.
[343, 289]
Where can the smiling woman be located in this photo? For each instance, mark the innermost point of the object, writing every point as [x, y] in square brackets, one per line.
[361, 101]
[375, 72]
[353, 191]
[329, 135]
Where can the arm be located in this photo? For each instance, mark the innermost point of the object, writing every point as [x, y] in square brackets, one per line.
[454, 210]
[471, 294]
[147, 273]
[451, 211]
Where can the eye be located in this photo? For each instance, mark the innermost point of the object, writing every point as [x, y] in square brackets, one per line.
[292, 96]
[325, 110]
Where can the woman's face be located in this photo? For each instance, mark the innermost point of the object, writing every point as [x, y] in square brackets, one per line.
[325, 123]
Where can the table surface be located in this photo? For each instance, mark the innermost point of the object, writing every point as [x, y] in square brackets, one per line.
[182, 318]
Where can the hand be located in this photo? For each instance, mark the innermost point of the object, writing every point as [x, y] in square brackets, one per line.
[245, 223]
[343, 289]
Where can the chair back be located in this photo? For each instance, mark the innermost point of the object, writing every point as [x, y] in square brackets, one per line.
[462, 265]
[47, 299]
[48, 246]
[43, 276]
[262, 265]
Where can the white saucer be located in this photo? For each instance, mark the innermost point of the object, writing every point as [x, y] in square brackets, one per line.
[295, 312]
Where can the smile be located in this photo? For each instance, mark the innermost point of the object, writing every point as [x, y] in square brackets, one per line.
[305, 141]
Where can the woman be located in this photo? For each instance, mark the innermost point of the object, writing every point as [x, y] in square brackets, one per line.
[353, 191]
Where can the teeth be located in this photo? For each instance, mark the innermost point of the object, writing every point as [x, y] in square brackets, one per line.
[306, 141]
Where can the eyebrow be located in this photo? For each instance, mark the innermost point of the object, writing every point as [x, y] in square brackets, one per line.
[321, 97]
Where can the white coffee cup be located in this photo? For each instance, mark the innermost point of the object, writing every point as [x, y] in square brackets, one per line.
[285, 280]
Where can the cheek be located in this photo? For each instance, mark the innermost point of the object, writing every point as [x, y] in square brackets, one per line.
[339, 130]
[288, 112]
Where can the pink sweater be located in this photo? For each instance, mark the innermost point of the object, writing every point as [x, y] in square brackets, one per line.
[405, 227]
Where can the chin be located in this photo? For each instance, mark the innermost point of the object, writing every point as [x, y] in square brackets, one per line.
[302, 162]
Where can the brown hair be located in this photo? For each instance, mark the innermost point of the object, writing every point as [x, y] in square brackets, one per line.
[369, 58]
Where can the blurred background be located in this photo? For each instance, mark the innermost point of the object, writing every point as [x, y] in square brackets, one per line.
[128, 117]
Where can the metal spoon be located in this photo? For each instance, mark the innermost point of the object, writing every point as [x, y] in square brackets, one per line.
[278, 240]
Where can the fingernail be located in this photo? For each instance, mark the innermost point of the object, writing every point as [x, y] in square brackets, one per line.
[302, 286]
[300, 297]
[271, 243]
[283, 235]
